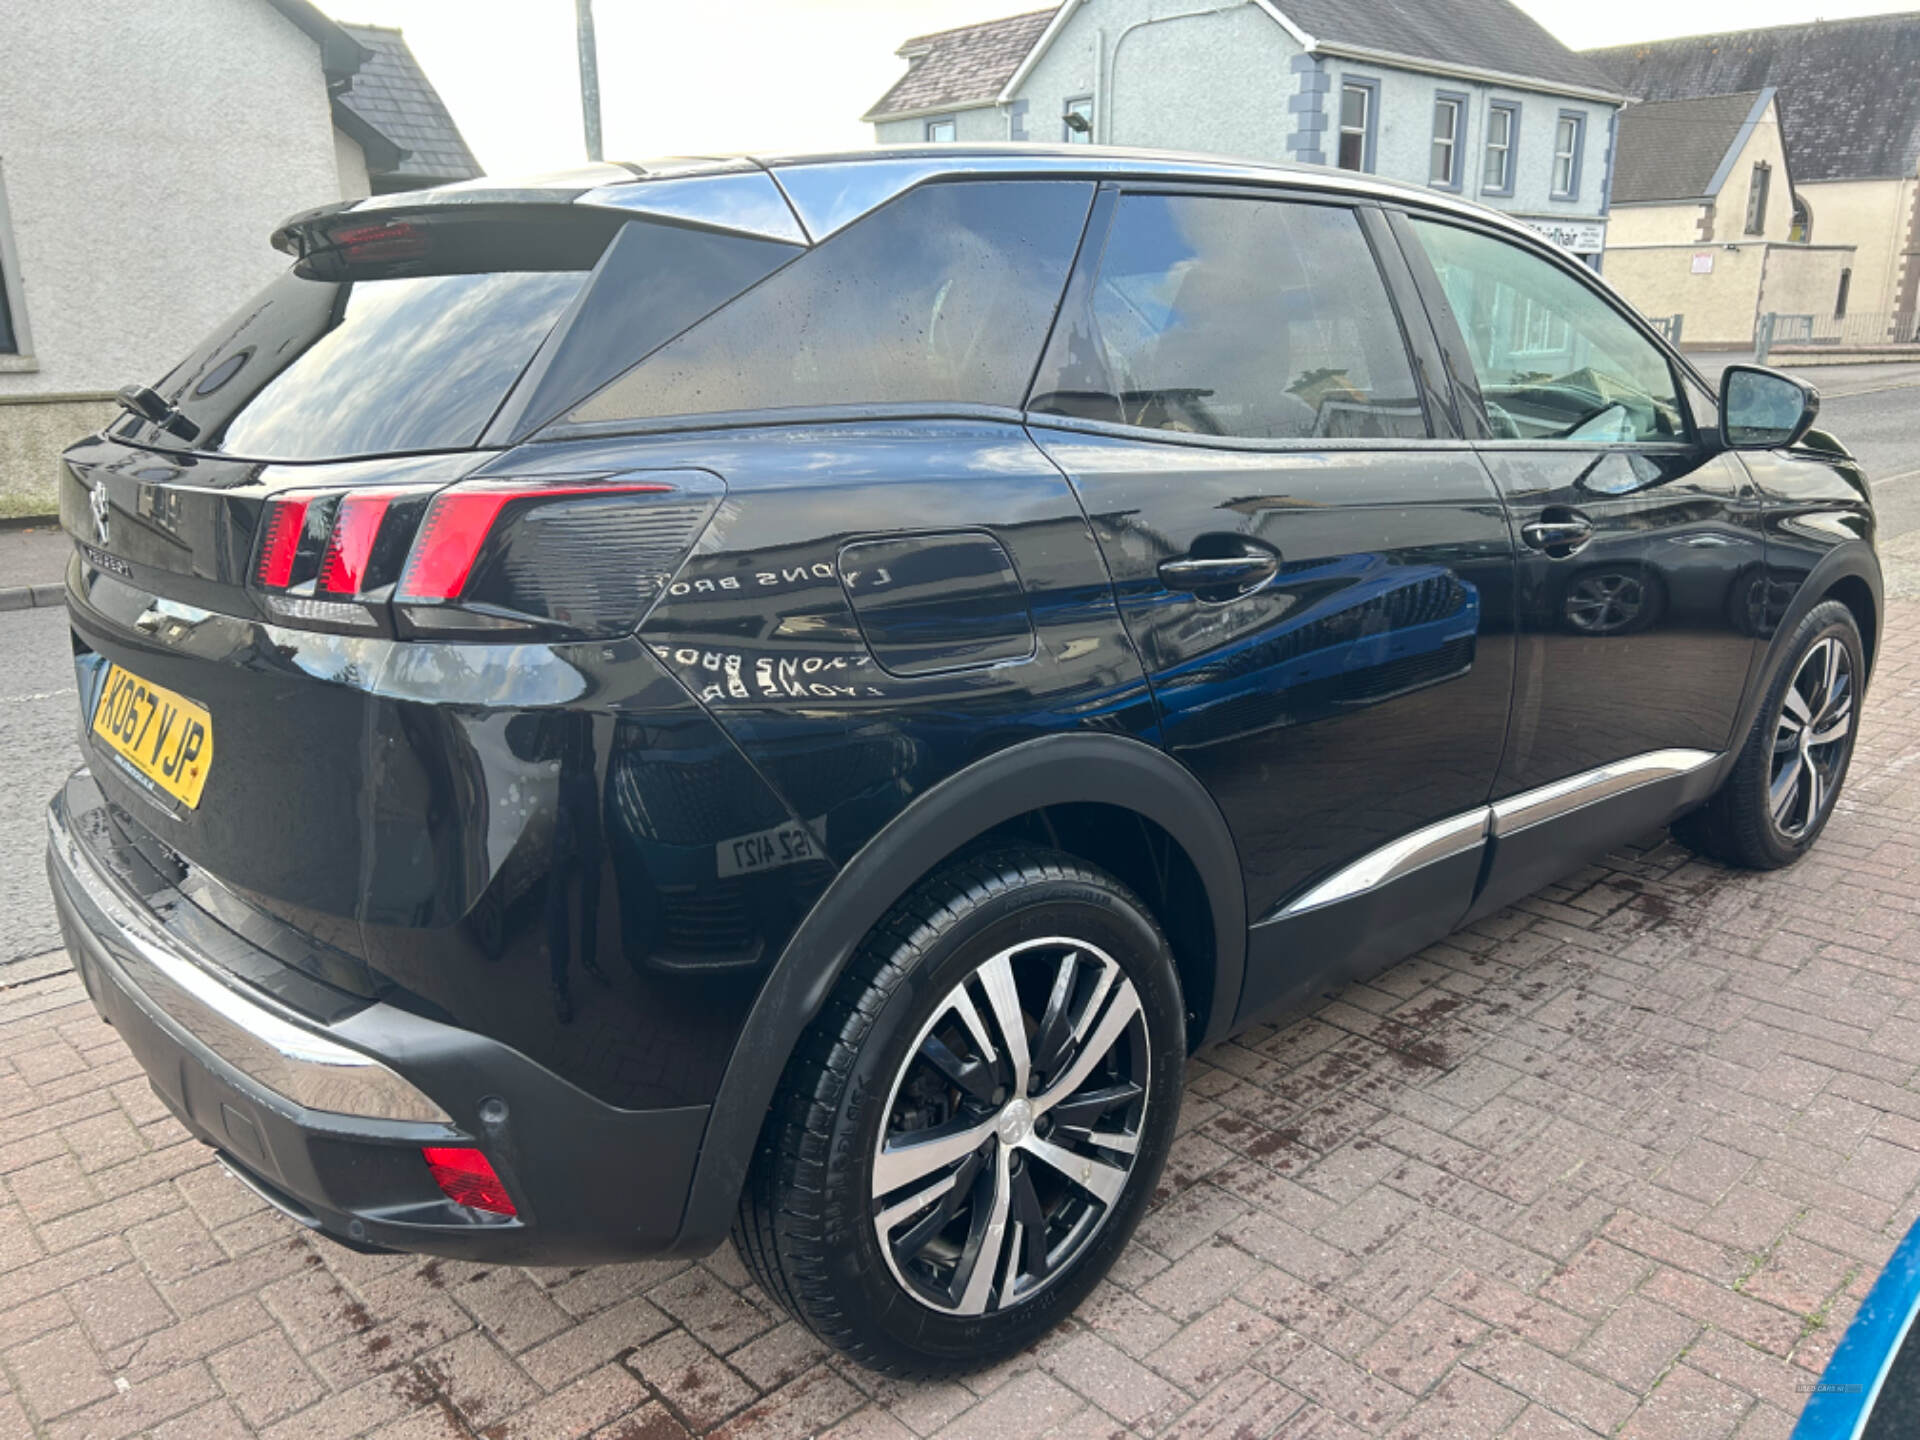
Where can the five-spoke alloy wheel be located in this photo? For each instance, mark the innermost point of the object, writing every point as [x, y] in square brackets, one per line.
[1784, 785]
[966, 1137]
[1812, 734]
[1012, 1126]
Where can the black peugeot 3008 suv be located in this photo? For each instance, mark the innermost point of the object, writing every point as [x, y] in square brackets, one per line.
[787, 697]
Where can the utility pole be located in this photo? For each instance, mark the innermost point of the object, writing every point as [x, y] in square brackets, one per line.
[589, 76]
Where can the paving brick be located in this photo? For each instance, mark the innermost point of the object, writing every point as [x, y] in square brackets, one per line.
[1691, 1404]
[58, 1372]
[1637, 1342]
[697, 1385]
[592, 1401]
[264, 1378]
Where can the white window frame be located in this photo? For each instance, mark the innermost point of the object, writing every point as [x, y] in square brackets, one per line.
[1759, 195]
[1510, 111]
[1369, 92]
[1453, 105]
[1570, 126]
[949, 122]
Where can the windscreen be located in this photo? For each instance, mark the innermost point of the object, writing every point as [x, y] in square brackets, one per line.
[401, 335]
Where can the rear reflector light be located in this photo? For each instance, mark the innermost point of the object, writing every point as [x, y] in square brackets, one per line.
[356, 525]
[286, 520]
[459, 521]
[466, 1178]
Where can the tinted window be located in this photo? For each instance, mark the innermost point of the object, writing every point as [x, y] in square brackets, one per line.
[408, 341]
[1251, 317]
[943, 295]
[1556, 361]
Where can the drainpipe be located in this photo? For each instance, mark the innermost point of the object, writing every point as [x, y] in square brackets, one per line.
[1112, 66]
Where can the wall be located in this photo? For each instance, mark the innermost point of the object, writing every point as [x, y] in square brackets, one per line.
[1216, 82]
[1654, 225]
[1805, 280]
[1730, 205]
[1719, 307]
[350, 164]
[150, 148]
[1405, 136]
[1872, 216]
[34, 430]
[983, 124]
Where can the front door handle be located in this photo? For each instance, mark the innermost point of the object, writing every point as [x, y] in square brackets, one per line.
[1565, 534]
[1215, 577]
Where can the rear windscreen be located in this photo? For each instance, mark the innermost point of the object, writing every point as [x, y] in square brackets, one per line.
[407, 340]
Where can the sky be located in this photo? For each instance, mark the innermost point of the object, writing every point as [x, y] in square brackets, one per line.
[719, 76]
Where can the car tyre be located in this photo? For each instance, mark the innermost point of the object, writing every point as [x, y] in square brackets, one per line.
[843, 1219]
[1784, 786]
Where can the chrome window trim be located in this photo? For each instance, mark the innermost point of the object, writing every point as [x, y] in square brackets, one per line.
[299, 1065]
[1473, 828]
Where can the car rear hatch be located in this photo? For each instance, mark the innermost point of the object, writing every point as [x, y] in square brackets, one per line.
[325, 493]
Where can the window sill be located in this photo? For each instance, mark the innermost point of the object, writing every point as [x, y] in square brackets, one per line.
[18, 364]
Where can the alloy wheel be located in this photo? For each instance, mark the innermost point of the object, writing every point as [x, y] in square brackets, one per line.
[1610, 600]
[1811, 738]
[1012, 1127]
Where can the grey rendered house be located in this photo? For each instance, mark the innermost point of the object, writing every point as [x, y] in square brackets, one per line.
[1469, 96]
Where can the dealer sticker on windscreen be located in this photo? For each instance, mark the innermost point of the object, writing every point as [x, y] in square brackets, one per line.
[767, 850]
[164, 737]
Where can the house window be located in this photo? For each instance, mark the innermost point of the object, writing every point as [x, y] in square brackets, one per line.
[1076, 121]
[1496, 174]
[1443, 167]
[1568, 131]
[1757, 198]
[1357, 101]
[13, 324]
[943, 131]
[1840, 300]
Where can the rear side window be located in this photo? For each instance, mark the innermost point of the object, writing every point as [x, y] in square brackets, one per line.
[942, 296]
[1255, 318]
[404, 337]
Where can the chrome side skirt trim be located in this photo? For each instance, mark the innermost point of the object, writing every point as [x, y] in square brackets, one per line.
[1469, 831]
[1402, 857]
[1549, 802]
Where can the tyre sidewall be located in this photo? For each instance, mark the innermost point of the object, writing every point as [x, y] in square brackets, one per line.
[859, 1274]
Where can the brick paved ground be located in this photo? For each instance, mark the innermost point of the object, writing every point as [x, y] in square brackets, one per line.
[1622, 1160]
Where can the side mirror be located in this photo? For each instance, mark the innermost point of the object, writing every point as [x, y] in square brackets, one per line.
[1761, 409]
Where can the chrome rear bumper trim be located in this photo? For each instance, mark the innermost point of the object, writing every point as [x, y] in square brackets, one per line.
[295, 1063]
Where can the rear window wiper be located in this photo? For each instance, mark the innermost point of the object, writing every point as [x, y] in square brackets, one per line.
[152, 407]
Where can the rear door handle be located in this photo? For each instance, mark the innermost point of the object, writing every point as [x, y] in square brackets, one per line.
[1568, 534]
[1215, 576]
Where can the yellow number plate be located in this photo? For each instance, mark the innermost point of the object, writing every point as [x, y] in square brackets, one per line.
[164, 736]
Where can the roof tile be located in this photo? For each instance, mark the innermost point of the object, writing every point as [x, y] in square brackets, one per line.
[392, 93]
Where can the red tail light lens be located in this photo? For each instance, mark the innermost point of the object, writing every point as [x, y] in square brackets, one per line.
[459, 521]
[285, 521]
[356, 525]
[389, 240]
[467, 1178]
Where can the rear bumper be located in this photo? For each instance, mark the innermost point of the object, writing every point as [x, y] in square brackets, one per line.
[326, 1120]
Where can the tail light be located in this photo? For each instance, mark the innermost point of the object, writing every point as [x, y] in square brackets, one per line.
[467, 1177]
[573, 557]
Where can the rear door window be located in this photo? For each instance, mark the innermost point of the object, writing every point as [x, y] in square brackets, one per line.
[942, 296]
[1246, 317]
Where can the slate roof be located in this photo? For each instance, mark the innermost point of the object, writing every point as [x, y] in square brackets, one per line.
[1849, 90]
[1475, 34]
[965, 66]
[393, 95]
[1672, 149]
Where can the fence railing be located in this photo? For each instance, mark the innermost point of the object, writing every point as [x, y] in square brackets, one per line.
[1867, 330]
